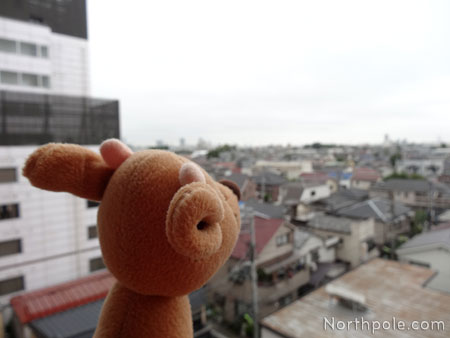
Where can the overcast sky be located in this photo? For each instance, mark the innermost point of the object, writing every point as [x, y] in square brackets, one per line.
[274, 72]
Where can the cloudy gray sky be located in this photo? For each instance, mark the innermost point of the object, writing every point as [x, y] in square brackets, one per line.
[274, 72]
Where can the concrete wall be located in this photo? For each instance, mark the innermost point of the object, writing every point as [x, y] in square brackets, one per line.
[351, 249]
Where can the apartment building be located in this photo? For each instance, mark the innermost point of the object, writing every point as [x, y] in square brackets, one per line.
[46, 238]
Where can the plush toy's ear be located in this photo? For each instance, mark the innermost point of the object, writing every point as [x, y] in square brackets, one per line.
[70, 168]
[190, 173]
[114, 152]
[233, 187]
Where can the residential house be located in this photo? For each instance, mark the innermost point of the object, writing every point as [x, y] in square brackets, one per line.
[378, 291]
[321, 177]
[414, 193]
[268, 185]
[289, 169]
[283, 262]
[391, 218]
[430, 249]
[298, 196]
[364, 178]
[356, 236]
[427, 167]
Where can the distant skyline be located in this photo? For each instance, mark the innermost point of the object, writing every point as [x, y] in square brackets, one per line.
[271, 72]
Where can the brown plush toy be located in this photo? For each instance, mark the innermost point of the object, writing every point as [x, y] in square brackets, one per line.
[165, 227]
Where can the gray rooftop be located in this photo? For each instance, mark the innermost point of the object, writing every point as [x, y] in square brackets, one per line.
[265, 209]
[343, 198]
[268, 178]
[330, 223]
[429, 238]
[239, 179]
[377, 208]
[79, 322]
[422, 186]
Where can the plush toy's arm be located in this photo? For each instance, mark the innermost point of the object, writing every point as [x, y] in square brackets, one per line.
[69, 168]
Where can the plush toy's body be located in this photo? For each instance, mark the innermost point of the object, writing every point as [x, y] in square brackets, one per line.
[165, 227]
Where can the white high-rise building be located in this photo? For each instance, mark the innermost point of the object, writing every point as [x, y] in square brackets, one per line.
[45, 237]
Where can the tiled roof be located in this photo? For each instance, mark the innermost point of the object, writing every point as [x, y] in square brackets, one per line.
[377, 208]
[344, 198]
[264, 231]
[365, 174]
[44, 302]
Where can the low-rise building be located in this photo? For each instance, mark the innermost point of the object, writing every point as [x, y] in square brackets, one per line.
[289, 169]
[285, 258]
[430, 249]
[415, 193]
[268, 185]
[376, 292]
[357, 243]
[391, 218]
[364, 178]
[298, 196]
[72, 309]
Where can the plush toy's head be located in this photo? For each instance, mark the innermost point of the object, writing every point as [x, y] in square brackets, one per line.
[165, 226]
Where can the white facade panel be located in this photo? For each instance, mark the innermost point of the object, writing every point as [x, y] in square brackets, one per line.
[52, 228]
[66, 63]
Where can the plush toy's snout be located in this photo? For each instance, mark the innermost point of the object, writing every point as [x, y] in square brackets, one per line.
[192, 223]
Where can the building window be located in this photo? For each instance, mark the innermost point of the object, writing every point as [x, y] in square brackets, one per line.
[8, 46]
[45, 81]
[8, 211]
[92, 232]
[11, 285]
[9, 78]
[96, 264]
[44, 51]
[282, 239]
[10, 247]
[29, 49]
[30, 80]
[92, 204]
[8, 175]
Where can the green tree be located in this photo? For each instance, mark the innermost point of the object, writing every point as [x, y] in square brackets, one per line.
[419, 219]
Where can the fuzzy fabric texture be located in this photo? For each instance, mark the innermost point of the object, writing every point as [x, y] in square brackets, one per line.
[163, 231]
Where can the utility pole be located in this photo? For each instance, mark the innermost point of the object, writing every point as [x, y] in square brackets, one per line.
[392, 222]
[263, 185]
[253, 275]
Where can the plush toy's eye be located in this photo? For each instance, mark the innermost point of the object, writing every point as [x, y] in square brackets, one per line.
[233, 186]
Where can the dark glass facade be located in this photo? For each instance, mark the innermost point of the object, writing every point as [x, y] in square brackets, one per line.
[62, 16]
[34, 119]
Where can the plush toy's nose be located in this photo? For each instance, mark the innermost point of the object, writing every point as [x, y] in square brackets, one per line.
[193, 221]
